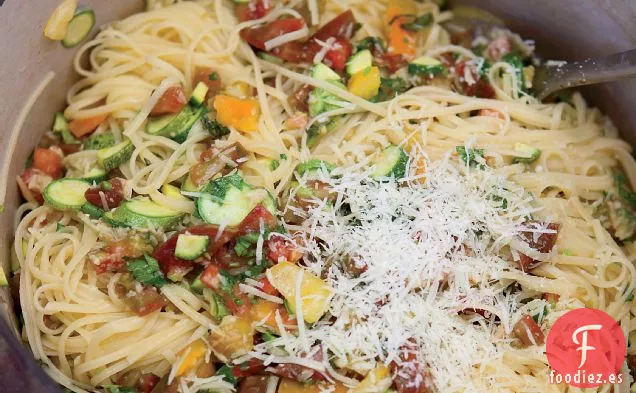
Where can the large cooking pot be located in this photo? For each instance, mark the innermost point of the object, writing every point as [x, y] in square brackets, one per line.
[563, 29]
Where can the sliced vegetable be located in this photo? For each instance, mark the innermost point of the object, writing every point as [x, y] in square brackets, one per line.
[194, 356]
[391, 162]
[215, 129]
[361, 60]
[114, 156]
[81, 127]
[66, 194]
[234, 337]
[57, 25]
[48, 162]
[528, 331]
[321, 100]
[147, 271]
[172, 192]
[190, 247]
[171, 101]
[99, 141]
[3, 278]
[324, 73]
[143, 213]
[229, 200]
[365, 83]
[314, 165]
[314, 292]
[525, 153]
[60, 125]
[425, 66]
[197, 98]
[79, 27]
[94, 175]
[242, 114]
[176, 127]
[93, 211]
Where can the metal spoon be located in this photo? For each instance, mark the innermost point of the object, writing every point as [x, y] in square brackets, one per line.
[549, 79]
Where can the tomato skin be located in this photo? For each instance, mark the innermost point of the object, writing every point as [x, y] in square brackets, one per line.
[147, 382]
[255, 9]
[114, 255]
[257, 37]
[544, 244]
[298, 99]
[172, 101]
[82, 127]
[343, 25]
[113, 196]
[211, 277]
[301, 373]
[336, 57]
[392, 61]
[267, 287]
[48, 162]
[528, 331]
[212, 80]
[174, 268]
[410, 375]
[253, 366]
[281, 249]
[238, 303]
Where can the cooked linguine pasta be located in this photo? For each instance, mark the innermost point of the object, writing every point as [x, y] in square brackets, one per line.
[236, 203]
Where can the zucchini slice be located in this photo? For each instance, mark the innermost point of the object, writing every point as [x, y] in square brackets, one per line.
[360, 61]
[425, 66]
[65, 194]
[176, 127]
[99, 141]
[525, 153]
[93, 211]
[60, 125]
[79, 27]
[143, 213]
[313, 166]
[112, 157]
[95, 175]
[229, 200]
[198, 94]
[391, 162]
[324, 73]
[190, 247]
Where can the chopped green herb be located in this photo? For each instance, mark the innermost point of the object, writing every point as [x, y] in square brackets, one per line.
[567, 252]
[59, 227]
[390, 88]
[266, 336]
[228, 376]
[106, 186]
[515, 60]
[214, 76]
[623, 190]
[419, 22]
[214, 128]
[374, 44]
[283, 156]
[468, 155]
[538, 317]
[274, 164]
[147, 271]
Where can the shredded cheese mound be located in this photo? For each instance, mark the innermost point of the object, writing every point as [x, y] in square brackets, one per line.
[427, 253]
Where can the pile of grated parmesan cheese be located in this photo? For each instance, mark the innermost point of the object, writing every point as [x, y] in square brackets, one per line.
[427, 252]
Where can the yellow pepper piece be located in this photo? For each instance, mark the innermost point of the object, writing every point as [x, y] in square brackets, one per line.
[290, 386]
[173, 192]
[239, 113]
[57, 24]
[314, 292]
[365, 83]
[234, 337]
[377, 380]
[196, 354]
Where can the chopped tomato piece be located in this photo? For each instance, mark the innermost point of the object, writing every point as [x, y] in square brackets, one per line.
[35, 181]
[542, 242]
[402, 41]
[82, 127]
[258, 36]
[146, 301]
[113, 257]
[237, 302]
[281, 249]
[337, 56]
[491, 113]
[551, 298]
[251, 367]
[111, 191]
[298, 99]
[147, 382]
[343, 25]
[48, 162]
[214, 161]
[212, 80]
[410, 374]
[267, 287]
[528, 331]
[251, 223]
[301, 373]
[477, 87]
[254, 9]
[172, 101]
[211, 277]
[393, 61]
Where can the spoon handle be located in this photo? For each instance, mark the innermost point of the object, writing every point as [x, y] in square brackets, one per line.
[549, 79]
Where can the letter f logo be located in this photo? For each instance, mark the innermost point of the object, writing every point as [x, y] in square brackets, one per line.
[584, 347]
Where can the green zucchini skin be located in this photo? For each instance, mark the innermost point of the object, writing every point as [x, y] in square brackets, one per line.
[143, 213]
[190, 247]
[66, 194]
[114, 156]
[176, 127]
[79, 27]
[391, 162]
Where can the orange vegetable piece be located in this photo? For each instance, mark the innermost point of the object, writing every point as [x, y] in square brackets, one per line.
[290, 386]
[239, 113]
[233, 338]
[401, 41]
[49, 162]
[196, 355]
[81, 127]
[266, 311]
